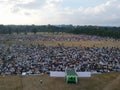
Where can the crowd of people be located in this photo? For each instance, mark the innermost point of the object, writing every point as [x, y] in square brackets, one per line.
[40, 59]
[40, 37]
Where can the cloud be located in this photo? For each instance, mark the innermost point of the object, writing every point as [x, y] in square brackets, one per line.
[52, 12]
[15, 10]
[36, 4]
[32, 4]
[104, 14]
[16, 1]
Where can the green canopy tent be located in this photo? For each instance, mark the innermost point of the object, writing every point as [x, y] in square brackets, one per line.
[71, 76]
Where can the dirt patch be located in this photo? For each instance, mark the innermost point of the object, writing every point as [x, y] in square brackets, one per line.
[107, 81]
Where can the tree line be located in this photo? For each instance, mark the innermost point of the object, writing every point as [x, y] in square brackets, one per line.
[104, 31]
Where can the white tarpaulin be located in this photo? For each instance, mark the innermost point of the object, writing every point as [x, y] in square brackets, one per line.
[57, 74]
[62, 74]
[84, 74]
[23, 73]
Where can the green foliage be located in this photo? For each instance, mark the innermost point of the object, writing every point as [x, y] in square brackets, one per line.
[103, 31]
[112, 32]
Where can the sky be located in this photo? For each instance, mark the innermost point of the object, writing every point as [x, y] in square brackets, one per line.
[56, 12]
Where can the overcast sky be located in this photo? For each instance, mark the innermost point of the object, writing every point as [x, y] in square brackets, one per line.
[76, 12]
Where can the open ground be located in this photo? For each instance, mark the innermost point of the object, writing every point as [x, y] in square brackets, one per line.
[106, 81]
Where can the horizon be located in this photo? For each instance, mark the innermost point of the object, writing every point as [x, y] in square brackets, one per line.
[56, 25]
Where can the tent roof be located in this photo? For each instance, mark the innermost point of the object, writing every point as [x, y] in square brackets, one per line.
[71, 72]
